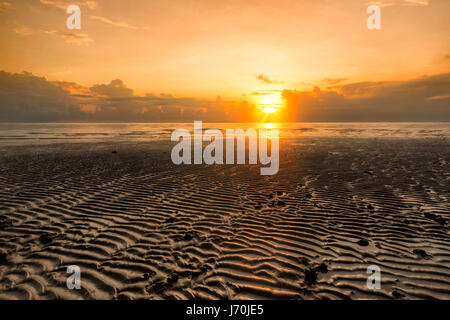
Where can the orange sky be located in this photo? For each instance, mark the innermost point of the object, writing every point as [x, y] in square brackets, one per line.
[231, 49]
[209, 48]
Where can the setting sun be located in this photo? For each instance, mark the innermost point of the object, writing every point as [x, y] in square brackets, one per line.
[270, 103]
[269, 109]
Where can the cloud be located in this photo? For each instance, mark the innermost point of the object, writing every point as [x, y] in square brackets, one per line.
[421, 99]
[61, 4]
[77, 38]
[4, 6]
[417, 2]
[72, 87]
[332, 81]
[25, 97]
[426, 86]
[267, 80]
[265, 92]
[23, 31]
[28, 98]
[389, 3]
[121, 24]
[439, 97]
[72, 38]
[115, 89]
[381, 3]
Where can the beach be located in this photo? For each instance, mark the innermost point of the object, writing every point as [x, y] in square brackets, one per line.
[140, 227]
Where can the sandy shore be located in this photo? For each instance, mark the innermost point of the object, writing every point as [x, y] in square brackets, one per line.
[140, 227]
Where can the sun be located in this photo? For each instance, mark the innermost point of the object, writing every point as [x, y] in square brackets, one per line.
[269, 109]
[270, 103]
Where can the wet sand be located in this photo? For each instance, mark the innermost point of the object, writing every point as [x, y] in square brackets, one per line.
[140, 227]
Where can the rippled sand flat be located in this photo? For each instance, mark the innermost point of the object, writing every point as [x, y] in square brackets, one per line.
[140, 227]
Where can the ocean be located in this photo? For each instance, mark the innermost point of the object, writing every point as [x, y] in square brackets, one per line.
[50, 133]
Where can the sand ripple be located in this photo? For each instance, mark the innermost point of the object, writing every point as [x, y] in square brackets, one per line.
[142, 228]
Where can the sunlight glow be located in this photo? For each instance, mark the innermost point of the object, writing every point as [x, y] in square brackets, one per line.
[270, 103]
[269, 109]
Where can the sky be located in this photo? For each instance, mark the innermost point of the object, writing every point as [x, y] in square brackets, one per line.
[150, 60]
